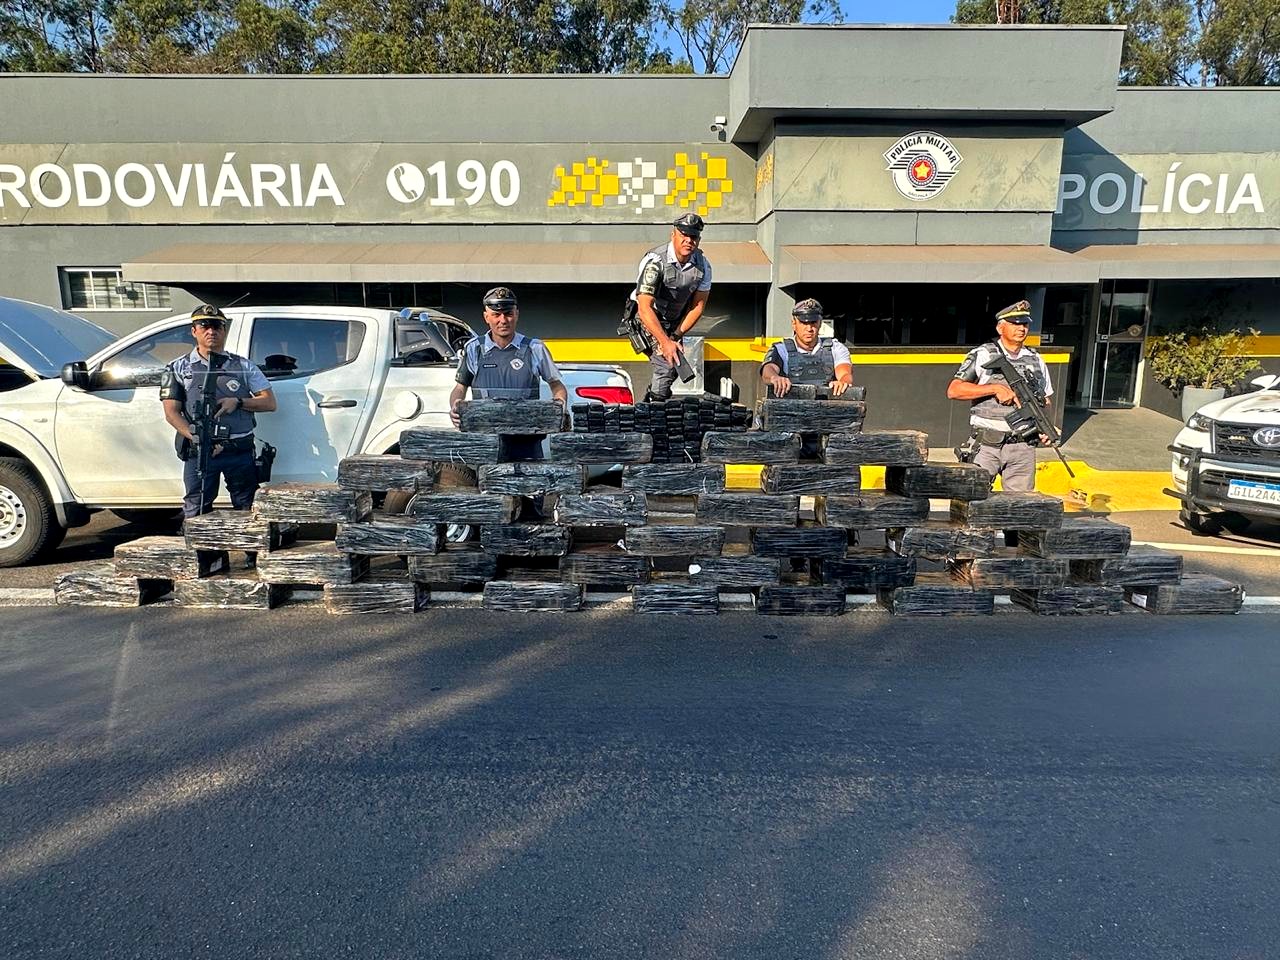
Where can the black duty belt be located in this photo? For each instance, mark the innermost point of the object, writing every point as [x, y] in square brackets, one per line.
[236, 444]
[992, 438]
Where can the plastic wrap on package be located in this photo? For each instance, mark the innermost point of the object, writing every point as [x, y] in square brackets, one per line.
[1083, 538]
[871, 511]
[810, 479]
[525, 539]
[880, 447]
[945, 481]
[605, 448]
[311, 503]
[311, 564]
[751, 446]
[533, 479]
[800, 601]
[865, 570]
[748, 509]
[382, 472]
[98, 585]
[449, 446]
[674, 479]
[389, 535]
[524, 595]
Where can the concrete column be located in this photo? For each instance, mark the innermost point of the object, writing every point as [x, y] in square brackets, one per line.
[777, 321]
[1036, 297]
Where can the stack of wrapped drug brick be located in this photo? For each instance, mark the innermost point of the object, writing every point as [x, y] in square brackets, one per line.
[195, 567]
[672, 534]
[677, 425]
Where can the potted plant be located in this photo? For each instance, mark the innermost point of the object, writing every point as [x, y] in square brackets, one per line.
[1200, 363]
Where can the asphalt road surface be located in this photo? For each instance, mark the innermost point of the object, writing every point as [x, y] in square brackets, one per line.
[462, 784]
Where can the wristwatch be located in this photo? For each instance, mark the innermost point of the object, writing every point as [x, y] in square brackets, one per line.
[239, 403]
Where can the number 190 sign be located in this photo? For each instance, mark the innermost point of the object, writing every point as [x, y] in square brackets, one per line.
[468, 182]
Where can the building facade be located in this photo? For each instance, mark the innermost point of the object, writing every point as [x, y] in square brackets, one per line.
[905, 176]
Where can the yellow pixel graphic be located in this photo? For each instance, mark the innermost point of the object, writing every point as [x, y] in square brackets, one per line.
[698, 185]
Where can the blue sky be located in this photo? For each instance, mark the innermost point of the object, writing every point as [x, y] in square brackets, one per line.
[898, 11]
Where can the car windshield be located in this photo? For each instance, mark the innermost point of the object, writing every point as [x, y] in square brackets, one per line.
[40, 340]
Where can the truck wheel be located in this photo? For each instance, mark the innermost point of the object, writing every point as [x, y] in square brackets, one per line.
[1201, 524]
[451, 475]
[28, 525]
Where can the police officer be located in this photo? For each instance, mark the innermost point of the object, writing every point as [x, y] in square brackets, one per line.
[504, 363]
[992, 399]
[242, 391]
[804, 357]
[670, 294]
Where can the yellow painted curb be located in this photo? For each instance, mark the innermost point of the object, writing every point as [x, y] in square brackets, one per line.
[1100, 491]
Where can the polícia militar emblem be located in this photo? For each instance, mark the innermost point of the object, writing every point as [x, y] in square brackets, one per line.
[922, 164]
[517, 364]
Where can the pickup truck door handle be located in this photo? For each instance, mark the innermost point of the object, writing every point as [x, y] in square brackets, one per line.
[331, 404]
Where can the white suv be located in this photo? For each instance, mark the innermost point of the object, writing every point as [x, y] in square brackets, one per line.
[1226, 461]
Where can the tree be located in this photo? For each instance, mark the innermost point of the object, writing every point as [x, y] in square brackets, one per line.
[1170, 42]
[52, 35]
[711, 31]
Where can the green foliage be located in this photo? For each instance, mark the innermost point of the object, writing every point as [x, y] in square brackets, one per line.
[711, 31]
[1169, 42]
[1201, 357]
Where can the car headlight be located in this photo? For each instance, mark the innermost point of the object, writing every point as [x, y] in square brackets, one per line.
[1199, 421]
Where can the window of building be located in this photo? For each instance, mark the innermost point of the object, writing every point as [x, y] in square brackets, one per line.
[104, 288]
[298, 347]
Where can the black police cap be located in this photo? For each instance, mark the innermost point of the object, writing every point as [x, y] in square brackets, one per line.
[690, 224]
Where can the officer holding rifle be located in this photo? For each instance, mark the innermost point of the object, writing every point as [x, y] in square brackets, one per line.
[671, 292]
[210, 398]
[1004, 435]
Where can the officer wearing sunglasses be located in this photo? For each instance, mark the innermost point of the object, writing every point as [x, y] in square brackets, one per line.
[242, 390]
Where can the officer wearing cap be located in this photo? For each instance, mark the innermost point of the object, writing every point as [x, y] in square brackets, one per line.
[242, 391]
[504, 363]
[671, 292]
[805, 357]
[991, 399]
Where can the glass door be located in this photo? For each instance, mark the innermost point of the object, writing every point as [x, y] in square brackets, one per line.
[1123, 312]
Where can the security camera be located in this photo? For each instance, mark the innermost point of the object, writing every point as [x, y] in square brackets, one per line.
[717, 124]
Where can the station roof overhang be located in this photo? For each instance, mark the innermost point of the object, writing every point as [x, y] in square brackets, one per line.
[564, 262]
[941, 263]
[928, 73]
[1183, 261]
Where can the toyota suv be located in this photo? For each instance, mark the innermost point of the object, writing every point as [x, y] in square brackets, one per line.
[1226, 461]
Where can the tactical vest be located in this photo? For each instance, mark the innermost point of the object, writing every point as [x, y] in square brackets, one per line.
[671, 300]
[506, 372]
[818, 368]
[232, 382]
[1028, 364]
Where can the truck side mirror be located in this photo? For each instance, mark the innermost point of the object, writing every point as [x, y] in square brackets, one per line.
[1266, 381]
[76, 374]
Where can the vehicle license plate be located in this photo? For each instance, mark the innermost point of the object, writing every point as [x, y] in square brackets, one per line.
[1252, 490]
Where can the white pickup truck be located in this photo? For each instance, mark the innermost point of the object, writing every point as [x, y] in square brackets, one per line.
[86, 430]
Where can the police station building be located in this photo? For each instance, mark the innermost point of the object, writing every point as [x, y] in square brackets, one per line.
[913, 179]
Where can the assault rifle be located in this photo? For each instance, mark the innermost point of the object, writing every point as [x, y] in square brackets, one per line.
[642, 341]
[206, 427]
[1028, 421]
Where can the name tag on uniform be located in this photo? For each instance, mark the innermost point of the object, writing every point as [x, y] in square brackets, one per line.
[489, 366]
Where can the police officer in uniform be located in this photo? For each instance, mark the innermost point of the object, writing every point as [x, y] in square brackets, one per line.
[242, 391]
[992, 399]
[504, 363]
[804, 357]
[670, 294]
